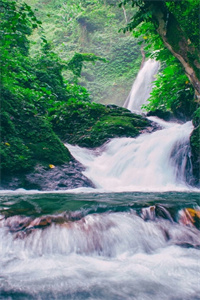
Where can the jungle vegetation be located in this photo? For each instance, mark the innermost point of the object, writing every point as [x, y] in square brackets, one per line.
[49, 79]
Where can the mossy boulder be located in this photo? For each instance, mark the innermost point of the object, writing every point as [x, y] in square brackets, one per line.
[92, 124]
[34, 143]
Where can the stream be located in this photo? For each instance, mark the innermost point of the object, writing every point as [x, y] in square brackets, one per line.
[134, 236]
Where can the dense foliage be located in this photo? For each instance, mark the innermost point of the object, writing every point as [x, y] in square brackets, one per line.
[26, 135]
[29, 88]
[92, 26]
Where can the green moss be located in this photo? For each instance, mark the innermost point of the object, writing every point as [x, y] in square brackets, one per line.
[195, 146]
[15, 156]
[191, 61]
[90, 125]
[26, 138]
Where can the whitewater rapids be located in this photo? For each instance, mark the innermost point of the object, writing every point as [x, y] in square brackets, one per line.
[110, 255]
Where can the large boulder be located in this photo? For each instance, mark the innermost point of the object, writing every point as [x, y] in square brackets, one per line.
[92, 124]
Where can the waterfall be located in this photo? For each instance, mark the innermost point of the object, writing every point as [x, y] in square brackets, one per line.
[146, 163]
[142, 86]
[158, 161]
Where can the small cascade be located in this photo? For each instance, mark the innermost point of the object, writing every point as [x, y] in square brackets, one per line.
[151, 162]
[142, 86]
[152, 248]
[158, 161]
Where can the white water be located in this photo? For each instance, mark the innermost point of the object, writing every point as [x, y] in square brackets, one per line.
[144, 163]
[142, 86]
[102, 256]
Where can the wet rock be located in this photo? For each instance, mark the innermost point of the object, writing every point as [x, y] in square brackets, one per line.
[67, 176]
[195, 154]
[190, 217]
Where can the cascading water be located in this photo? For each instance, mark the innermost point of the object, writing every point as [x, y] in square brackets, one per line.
[145, 163]
[159, 161]
[142, 86]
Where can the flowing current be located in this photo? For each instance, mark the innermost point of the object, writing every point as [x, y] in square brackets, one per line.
[134, 237]
[99, 246]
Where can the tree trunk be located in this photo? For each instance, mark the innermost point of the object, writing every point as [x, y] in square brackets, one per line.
[181, 47]
[125, 16]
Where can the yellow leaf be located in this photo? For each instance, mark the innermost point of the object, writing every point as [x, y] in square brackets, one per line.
[7, 144]
[51, 166]
[193, 212]
[145, 37]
